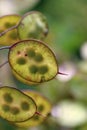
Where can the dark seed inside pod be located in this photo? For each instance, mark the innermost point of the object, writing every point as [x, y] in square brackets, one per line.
[25, 106]
[7, 25]
[5, 107]
[8, 98]
[21, 61]
[36, 117]
[13, 35]
[43, 69]
[14, 110]
[30, 53]
[33, 69]
[40, 108]
[38, 57]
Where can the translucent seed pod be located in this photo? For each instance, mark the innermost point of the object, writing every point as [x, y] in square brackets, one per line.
[9, 38]
[43, 106]
[33, 25]
[8, 22]
[32, 62]
[15, 106]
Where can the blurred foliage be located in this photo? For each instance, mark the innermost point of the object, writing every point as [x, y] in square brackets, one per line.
[68, 23]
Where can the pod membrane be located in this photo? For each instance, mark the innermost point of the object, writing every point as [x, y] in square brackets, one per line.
[32, 62]
[33, 25]
[15, 106]
[43, 106]
[7, 22]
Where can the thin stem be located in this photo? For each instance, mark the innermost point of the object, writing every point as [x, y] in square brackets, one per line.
[3, 64]
[4, 32]
[62, 73]
[41, 114]
[5, 47]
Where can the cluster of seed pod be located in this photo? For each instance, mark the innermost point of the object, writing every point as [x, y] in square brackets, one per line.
[24, 109]
[32, 62]
[14, 27]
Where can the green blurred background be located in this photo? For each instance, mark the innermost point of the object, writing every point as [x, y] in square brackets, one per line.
[67, 37]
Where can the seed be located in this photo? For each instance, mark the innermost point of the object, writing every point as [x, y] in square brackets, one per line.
[40, 108]
[21, 61]
[31, 53]
[38, 57]
[13, 35]
[8, 98]
[33, 69]
[36, 117]
[14, 110]
[43, 69]
[6, 108]
[25, 106]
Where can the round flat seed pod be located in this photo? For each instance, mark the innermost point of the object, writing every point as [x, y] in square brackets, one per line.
[7, 22]
[32, 62]
[43, 106]
[15, 106]
[9, 38]
[33, 25]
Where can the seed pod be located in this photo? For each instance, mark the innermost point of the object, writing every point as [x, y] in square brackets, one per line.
[33, 25]
[43, 106]
[15, 106]
[32, 62]
[6, 23]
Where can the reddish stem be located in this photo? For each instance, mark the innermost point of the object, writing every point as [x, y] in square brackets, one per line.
[62, 73]
[41, 114]
[3, 64]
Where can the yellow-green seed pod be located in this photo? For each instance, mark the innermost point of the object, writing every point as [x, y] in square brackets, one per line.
[43, 106]
[33, 25]
[9, 38]
[15, 106]
[32, 62]
[7, 22]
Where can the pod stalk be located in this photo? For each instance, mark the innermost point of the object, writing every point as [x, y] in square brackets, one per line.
[41, 114]
[62, 73]
[5, 47]
[4, 32]
[3, 64]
